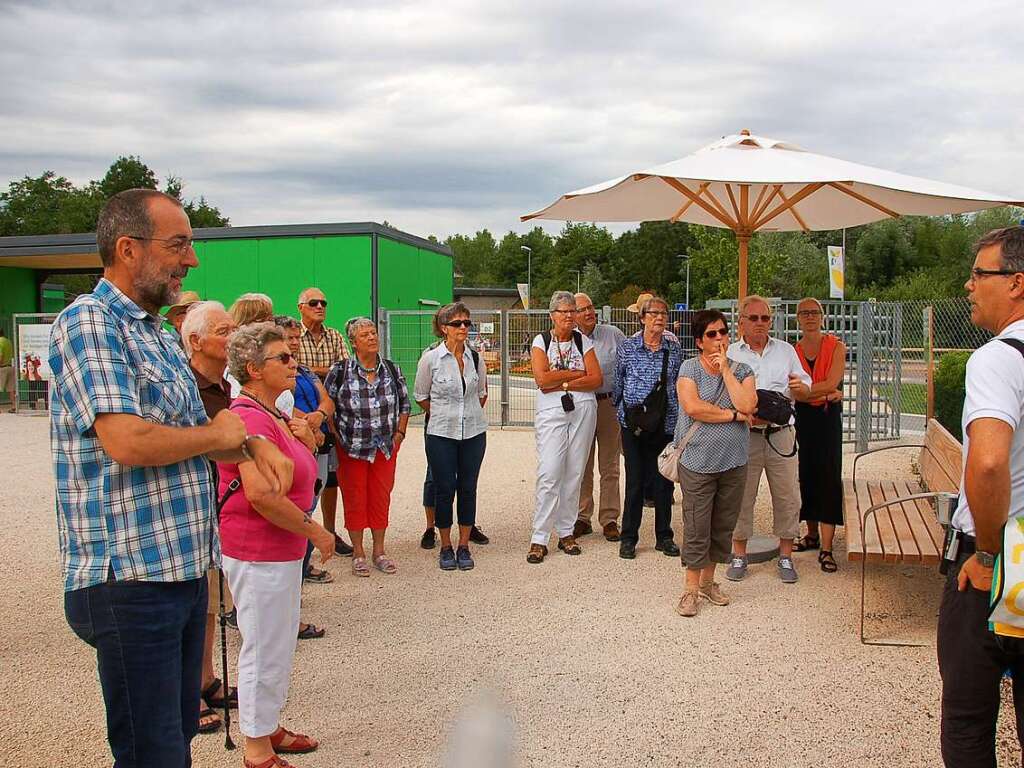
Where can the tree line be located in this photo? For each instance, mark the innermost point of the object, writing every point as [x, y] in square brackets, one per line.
[894, 260]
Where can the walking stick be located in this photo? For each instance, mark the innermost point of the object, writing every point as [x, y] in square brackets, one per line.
[228, 743]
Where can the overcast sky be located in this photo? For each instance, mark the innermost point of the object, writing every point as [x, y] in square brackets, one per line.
[454, 116]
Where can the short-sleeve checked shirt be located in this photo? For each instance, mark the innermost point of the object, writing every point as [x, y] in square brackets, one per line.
[637, 371]
[366, 414]
[107, 355]
[713, 447]
[323, 353]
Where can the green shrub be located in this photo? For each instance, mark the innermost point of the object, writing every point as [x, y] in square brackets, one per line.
[949, 391]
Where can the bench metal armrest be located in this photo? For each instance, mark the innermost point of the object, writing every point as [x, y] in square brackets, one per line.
[884, 448]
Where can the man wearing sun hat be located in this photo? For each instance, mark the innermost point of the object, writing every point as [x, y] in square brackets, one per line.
[175, 313]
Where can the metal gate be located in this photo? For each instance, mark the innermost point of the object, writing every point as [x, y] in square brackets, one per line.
[872, 332]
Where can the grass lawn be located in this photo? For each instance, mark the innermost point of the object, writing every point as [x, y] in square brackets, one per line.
[914, 396]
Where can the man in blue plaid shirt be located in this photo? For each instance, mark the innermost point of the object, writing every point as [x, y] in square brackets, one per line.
[135, 505]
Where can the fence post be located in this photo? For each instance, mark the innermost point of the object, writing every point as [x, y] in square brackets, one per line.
[503, 346]
[865, 372]
[929, 360]
[384, 330]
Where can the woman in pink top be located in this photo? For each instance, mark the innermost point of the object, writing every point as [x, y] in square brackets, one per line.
[263, 535]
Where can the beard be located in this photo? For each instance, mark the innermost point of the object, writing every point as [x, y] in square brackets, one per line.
[153, 287]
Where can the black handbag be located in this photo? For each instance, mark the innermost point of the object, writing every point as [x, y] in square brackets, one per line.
[773, 407]
[649, 416]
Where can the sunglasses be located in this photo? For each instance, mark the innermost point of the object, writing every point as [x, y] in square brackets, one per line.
[284, 357]
[460, 324]
[762, 318]
[714, 333]
[317, 303]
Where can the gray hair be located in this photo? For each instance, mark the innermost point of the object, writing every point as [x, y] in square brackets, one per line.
[753, 298]
[558, 298]
[197, 321]
[126, 214]
[1011, 246]
[305, 291]
[646, 306]
[352, 327]
[247, 345]
[286, 321]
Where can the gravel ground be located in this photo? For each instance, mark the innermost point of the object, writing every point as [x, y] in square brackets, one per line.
[577, 662]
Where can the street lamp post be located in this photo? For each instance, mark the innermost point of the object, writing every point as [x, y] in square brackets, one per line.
[577, 279]
[686, 258]
[529, 272]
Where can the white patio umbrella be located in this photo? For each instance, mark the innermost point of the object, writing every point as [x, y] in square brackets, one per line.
[754, 184]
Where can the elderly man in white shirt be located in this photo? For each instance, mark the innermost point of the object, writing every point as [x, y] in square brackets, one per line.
[776, 367]
[607, 442]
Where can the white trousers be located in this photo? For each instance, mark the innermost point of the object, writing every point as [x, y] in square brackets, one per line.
[563, 445]
[267, 599]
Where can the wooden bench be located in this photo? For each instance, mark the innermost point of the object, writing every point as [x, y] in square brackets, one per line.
[895, 521]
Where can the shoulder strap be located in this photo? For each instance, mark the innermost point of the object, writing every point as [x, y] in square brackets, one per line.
[393, 370]
[476, 358]
[664, 364]
[578, 338]
[1015, 343]
[697, 424]
[546, 338]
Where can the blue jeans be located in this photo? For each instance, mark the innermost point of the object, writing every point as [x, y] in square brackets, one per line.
[148, 638]
[455, 466]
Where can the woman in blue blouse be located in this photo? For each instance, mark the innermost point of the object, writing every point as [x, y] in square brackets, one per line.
[451, 386]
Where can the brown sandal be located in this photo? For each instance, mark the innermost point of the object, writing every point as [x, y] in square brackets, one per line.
[271, 762]
[299, 744]
[537, 554]
[568, 545]
[827, 561]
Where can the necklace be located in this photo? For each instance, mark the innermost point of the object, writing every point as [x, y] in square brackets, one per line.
[269, 409]
[368, 370]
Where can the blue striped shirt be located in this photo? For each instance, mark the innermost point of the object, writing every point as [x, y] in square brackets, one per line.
[637, 371]
[107, 355]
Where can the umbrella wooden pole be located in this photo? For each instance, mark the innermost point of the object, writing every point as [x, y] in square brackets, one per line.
[744, 243]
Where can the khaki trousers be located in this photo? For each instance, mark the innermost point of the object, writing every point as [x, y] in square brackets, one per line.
[607, 445]
[783, 480]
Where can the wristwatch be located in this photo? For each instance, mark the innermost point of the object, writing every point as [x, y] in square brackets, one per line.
[985, 559]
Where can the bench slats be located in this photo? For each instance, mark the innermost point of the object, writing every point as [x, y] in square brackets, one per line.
[873, 551]
[918, 515]
[886, 531]
[909, 551]
[942, 459]
[935, 532]
[851, 516]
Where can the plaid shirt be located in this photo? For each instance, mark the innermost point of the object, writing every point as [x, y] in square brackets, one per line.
[108, 355]
[637, 371]
[324, 353]
[366, 414]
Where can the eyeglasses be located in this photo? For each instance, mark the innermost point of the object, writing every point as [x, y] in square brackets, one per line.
[563, 312]
[657, 312]
[460, 324]
[178, 245]
[284, 357]
[978, 272]
[581, 310]
[316, 303]
[716, 332]
[762, 318]
[809, 313]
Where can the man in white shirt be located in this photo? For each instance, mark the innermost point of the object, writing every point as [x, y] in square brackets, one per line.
[772, 448]
[607, 442]
[972, 659]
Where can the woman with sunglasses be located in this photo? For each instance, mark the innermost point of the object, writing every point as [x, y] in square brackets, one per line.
[819, 432]
[263, 535]
[451, 386]
[716, 399]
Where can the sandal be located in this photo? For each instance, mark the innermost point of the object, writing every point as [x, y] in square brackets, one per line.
[213, 721]
[318, 576]
[385, 564]
[298, 743]
[359, 567]
[805, 543]
[311, 632]
[568, 545]
[218, 703]
[536, 554]
[271, 762]
[827, 562]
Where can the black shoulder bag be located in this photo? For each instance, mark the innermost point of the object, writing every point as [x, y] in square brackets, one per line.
[649, 416]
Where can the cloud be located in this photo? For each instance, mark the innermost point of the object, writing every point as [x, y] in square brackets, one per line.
[456, 116]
